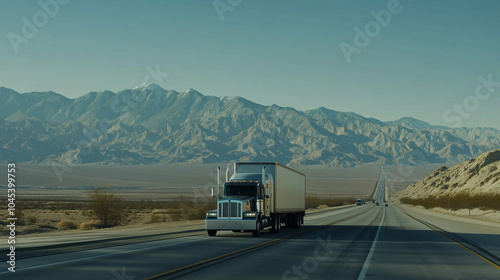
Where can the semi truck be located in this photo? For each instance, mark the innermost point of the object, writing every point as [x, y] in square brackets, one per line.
[258, 195]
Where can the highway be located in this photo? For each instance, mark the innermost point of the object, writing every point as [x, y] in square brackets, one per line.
[354, 242]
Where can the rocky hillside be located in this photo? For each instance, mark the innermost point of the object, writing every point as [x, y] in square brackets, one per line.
[477, 176]
[149, 124]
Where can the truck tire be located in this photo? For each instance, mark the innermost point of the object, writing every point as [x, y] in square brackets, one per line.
[256, 232]
[295, 220]
[211, 232]
[273, 227]
[276, 224]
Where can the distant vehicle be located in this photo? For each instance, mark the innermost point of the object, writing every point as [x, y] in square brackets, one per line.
[257, 196]
[386, 205]
[360, 201]
[377, 203]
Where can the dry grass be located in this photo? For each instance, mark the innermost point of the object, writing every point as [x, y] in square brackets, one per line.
[67, 224]
[42, 216]
[456, 202]
[92, 224]
[109, 208]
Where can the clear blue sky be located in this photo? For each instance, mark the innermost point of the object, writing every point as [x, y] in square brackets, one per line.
[426, 58]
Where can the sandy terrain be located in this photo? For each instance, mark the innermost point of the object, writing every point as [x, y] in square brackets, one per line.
[477, 176]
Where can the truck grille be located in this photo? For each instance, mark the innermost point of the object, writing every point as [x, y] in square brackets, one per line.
[230, 209]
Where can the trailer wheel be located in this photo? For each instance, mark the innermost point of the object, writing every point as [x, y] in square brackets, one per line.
[295, 220]
[256, 232]
[278, 223]
[211, 232]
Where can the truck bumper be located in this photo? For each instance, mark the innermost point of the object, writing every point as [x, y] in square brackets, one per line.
[219, 224]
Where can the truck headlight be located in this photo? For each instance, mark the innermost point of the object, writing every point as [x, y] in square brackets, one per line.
[249, 214]
[211, 214]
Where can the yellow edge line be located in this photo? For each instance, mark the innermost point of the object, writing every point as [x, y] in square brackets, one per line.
[483, 258]
[245, 249]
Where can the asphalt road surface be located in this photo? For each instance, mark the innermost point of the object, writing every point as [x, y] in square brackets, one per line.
[355, 242]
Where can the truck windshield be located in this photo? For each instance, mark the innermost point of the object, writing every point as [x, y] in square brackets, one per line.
[240, 190]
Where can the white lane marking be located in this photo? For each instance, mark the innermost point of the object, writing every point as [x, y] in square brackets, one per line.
[98, 256]
[366, 265]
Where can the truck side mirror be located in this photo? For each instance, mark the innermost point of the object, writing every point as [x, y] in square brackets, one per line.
[268, 193]
[213, 192]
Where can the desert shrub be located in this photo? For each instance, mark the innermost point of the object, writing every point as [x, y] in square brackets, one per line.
[184, 208]
[107, 207]
[157, 215]
[92, 224]
[154, 218]
[458, 201]
[31, 218]
[67, 224]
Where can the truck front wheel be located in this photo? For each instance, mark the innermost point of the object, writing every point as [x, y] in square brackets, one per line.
[256, 232]
[211, 232]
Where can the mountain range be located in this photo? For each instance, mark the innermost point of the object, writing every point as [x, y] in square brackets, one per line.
[148, 124]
